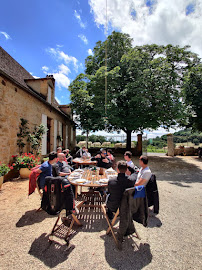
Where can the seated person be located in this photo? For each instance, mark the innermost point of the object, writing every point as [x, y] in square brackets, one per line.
[109, 154]
[86, 153]
[145, 173]
[132, 174]
[61, 167]
[127, 157]
[59, 150]
[80, 152]
[46, 169]
[116, 188]
[102, 160]
[68, 156]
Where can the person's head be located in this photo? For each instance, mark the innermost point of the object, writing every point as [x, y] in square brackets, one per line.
[83, 148]
[64, 152]
[143, 161]
[52, 157]
[109, 152]
[61, 157]
[122, 166]
[59, 150]
[67, 151]
[130, 170]
[103, 152]
[127, 155]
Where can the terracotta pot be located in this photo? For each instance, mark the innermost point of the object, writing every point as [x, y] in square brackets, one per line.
[1, 181]
[25, 173]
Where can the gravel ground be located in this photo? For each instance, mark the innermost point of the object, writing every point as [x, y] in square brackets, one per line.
[172, 239]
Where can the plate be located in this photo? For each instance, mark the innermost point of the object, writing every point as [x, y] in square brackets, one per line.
[103, 181]
[80, 181]
[75, 174]
[78, 170]
[110, 170]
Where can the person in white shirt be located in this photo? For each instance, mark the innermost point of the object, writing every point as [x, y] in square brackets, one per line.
[145, 173]
[127, 157]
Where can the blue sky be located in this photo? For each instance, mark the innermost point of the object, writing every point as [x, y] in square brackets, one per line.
[55, 37]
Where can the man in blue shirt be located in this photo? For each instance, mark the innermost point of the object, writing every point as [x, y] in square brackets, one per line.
[46, 168]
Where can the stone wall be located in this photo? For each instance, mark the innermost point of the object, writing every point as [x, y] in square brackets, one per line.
[16, 103]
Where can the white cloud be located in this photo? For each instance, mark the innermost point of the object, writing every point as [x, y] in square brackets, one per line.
[90, 52]
[64, 69]
[45, 69]
[60, 75]
[5, 35]
[83, 38]
[160, 22]
[61, 80]
[78, 17]
[61, 56]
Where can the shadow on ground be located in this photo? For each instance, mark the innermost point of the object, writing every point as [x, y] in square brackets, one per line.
[133, 256]
[176, 170]
[31, 217]
[50, 254]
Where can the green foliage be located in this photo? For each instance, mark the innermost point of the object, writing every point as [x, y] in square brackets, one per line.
[23, 133]
[24, 161]
[35, 138]
[97, 138]
[192, 89]
[143, 86]
[80, 138]
[4, 169]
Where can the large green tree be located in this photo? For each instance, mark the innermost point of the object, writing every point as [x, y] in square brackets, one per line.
[193, 96]
[143, 86]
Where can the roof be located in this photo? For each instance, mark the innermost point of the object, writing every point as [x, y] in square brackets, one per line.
[14, 71]
[12, 68]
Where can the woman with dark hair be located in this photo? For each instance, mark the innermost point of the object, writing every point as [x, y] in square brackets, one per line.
[109, 154]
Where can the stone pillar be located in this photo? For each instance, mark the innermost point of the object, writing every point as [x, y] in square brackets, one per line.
[170, 145]
[139, 144]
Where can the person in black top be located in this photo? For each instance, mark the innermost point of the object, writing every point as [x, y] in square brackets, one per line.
[116, 188]
[102, 160]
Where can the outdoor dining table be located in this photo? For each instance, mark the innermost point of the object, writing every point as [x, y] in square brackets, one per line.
[84, 161]
[90, 178]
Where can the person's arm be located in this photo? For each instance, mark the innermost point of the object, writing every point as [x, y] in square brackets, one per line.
[64, 174]
[140, 182]
[38, 171]
[144, 179]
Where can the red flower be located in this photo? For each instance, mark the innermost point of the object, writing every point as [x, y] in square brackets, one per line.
[11, 167]
[22, 162]
[14, 164]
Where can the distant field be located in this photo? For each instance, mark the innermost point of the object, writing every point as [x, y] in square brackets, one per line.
[188, 144]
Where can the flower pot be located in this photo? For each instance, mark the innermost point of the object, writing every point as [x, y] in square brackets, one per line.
[25, 173]
[1, 181]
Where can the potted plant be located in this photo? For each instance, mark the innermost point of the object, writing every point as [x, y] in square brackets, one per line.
[25, 163]
[4, 169]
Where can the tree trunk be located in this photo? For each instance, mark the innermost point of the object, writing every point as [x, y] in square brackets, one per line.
[87, 132]
[128, 139]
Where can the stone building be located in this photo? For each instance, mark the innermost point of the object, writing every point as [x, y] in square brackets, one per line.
[23, 96]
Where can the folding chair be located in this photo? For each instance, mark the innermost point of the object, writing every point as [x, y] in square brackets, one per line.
[110, 224]
[56, 227]
[128, 192]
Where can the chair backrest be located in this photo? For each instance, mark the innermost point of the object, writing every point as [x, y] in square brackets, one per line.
[57, 195]
[152, 193]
